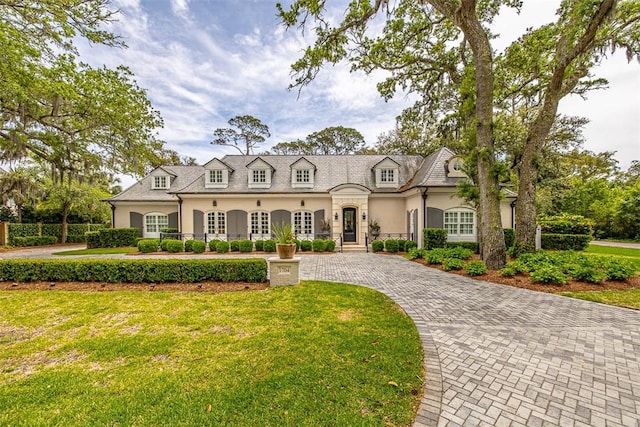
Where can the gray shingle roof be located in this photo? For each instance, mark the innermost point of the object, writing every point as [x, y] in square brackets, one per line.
[332, 170]
[141, 191]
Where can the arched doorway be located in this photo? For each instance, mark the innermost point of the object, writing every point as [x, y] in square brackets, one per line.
[349, 225]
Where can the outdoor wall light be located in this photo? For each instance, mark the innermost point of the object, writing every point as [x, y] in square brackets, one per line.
[364, 216]
[335, 216]
[215, 203]
[302, 203]
[258, 203]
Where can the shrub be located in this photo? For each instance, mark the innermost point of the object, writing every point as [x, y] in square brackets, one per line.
[134, 271]
[576, 242]
[222, 247]
[475, 268]
[401, 244]
[34, 240]
[259, 245]
[53, 230]
[198, 246]
[331, 246]
[436, 256]
[472, 246]
[589, 273]
[417, 253]
[377, 245]
[74, 238]
[22, 230]
[619, 269]
[245, 245]
[548, 273]
[163, 244]
[509, 237]
[306, 245]
[174, 245]
[93, 239]
[319, 245]
[391, 246]
[169, 230]
[458, 252]
[434, 238]
[452, 264]
[297, 242]
[213, 243]
[188, 245]
[234, 245]
[269, 246]
[566, 224]
[410, 244]
[118, 237]
[148, 245]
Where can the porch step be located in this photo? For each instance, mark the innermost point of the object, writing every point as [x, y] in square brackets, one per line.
[354, 248]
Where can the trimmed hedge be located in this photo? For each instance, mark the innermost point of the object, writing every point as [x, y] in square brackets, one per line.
[75, 232]
[213, 243]
[269, 245]
[118, 237]
[575, 242]
[410, 244]
[134, 271]
[306, 245]
[319, 245]
[93, 239]
[198, 246]
[148, 245]
[377, 246]
[174, 246]
[34, 240]
[331, 246]
[234, 245]
[434, 238]
[222, 247]
[259, 245]
[245, 245]
[391, 246]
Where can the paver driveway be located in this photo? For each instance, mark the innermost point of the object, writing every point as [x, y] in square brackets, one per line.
[502, 356]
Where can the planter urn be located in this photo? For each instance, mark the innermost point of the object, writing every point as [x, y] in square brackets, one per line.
[286, 250]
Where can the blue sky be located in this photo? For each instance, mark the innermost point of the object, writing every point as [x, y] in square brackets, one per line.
[205, 61]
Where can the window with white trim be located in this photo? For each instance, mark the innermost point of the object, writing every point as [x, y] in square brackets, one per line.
[160, 182]
[154, 222]
[459, 222]
[260, 223]
[259, 176]
[303, 223]
[303, 176]
[387, 176]
[216, 223]
[215, 176]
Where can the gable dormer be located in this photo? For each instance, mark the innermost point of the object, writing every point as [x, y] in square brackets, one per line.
[216, 174]
[302, 173]
[259, 174]
[386, 173]
[161, 179]
[454, 167]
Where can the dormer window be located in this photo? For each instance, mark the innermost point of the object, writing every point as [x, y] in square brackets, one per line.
[303, 176]
[160, 182]
[387, 176]
[302, 173]
[216, 174]
[387, 173]
[455, 167]
[259, 174]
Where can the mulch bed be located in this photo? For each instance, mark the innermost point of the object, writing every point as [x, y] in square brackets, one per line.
[524, 281]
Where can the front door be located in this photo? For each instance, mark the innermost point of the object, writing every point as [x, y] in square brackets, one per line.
[349, 225]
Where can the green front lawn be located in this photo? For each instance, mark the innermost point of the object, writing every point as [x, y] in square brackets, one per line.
[315, 354]
[632, 255]
[627, 298]
[100, 251]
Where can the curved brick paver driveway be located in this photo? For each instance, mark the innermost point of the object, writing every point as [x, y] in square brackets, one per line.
[502, 356]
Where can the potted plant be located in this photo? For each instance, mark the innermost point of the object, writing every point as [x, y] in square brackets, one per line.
[285, 244]
[374, 228]
[325, 227]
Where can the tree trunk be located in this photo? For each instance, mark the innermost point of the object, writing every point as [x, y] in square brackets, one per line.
[525, 206]
[492, 247]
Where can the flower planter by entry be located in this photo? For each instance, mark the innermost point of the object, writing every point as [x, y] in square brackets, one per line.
[286, 250]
